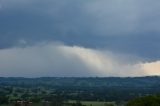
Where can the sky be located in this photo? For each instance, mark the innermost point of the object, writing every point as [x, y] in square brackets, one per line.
[79, 38]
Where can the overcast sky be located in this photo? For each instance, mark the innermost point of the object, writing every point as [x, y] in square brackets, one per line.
[74, 38]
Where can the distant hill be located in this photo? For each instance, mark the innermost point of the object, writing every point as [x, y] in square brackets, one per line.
[91, 88]
[139, 82]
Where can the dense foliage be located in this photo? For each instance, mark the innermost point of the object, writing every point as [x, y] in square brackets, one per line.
[152, 100]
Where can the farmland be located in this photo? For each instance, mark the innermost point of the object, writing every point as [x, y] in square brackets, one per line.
[75, 91]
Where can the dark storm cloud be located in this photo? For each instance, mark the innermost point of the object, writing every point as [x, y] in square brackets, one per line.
[123, 26]
[42, 20]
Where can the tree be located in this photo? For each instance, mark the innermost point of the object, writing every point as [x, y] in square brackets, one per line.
[57, 101]
[108, 104]
[153, 100]
[35, 99]
[78, 103]
[4, 99]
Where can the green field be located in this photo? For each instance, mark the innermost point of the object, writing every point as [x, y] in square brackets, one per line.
[93, 103]
[86, 103]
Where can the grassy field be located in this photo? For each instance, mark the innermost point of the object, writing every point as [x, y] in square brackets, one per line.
[87, 103]
[92, 103]
[35, 104]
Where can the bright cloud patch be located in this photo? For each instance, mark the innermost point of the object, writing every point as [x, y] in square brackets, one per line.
[152, 68]
[60, 60]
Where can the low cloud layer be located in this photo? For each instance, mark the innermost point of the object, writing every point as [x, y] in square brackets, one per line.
[56, 59]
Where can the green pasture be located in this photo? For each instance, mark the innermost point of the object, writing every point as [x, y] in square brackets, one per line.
[93, 103]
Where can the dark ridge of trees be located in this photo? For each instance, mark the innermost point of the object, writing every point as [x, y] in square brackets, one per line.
[152, 100]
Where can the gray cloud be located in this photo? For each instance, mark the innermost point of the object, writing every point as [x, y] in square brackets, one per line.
[59, 60]
[122, 26]
[65, 18]
[40, 60]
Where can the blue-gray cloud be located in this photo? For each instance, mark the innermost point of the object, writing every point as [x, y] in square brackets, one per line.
[122, 26]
